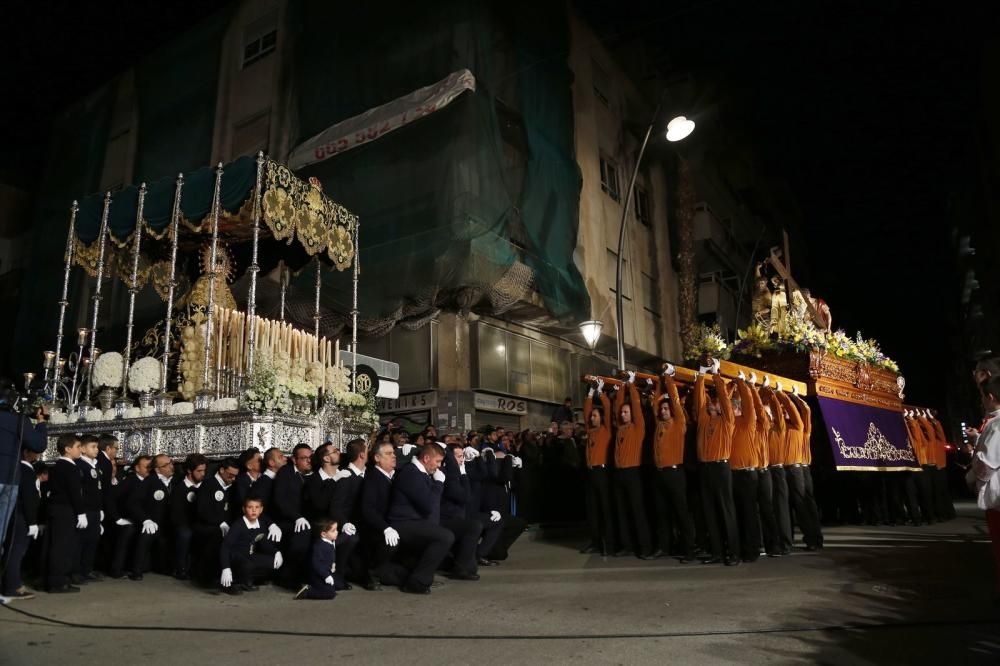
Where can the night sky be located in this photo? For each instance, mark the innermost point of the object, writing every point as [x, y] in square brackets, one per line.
[860, 106]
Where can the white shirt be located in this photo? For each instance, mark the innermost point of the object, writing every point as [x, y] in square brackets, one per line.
[388, 475]
[191, 484]
[420, 466]
[270, 473]
[163, 479]
[69, 460]
[220, 481]
[461, 468]
[986, 464]
[323, 475]
[90, 461]
[255, 525]
[359, 472]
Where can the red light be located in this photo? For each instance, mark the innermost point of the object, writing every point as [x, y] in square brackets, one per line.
[948, 447]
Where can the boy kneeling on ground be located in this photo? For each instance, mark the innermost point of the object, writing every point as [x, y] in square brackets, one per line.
[250, 550]
[323, 563]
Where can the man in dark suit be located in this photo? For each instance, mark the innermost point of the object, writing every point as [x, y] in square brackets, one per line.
[263, 487]
[149, 510]
[125, 529]
[107, 469]
[379, 539]
[344, 510]
[286, 511]
[461, 518]
[183, 511]
[92, 485]
[414, 509]
[496, 497]
[66, 515]
[24, 527]
[212, 519]
[317, 490]
[250, 470]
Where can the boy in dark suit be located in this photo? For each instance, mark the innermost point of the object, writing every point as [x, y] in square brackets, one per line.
[24, 528]
[66, 515]
[250, 550]
[92, 485]
[323, 564]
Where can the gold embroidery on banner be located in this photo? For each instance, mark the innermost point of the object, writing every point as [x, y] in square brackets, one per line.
[875, 447]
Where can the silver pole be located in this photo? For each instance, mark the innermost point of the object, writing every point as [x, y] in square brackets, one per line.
[102, 240]
[254, 268]
[175, 221]
[319, 283]
[354, 309]
[132, 290]
[64, 301]
[283, 276]
[212, 273]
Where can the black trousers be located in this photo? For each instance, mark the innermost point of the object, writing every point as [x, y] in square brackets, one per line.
[16, 547]
[64, 546]
[463, 550]
[205, 545]
[747, 515]
[720, 512]
[248, 568]
[491, 533]
[295, 550]
[512, 528]
[925, 493]
[803, 507]
[90, 539]
[600, 519]
[322, 592]
[812, 508]
[379, 559]
[780, 502]
[430, 543]
[905, 490]
[345, 553]
[632, 511]
[671, 486]
[182, 549]
[150, 548]
[765, 508]
[945, 507]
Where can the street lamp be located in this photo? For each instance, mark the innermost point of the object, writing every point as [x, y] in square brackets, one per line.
[677, 129]
[591, 331]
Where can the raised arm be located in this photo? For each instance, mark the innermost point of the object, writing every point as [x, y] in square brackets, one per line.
[638, 419]
[747, 402]
[675, 401]
[724, 401]
[778, 420]
[793, 412]
[700, 400]
[805, 412]
[619, 401]
[763, 421]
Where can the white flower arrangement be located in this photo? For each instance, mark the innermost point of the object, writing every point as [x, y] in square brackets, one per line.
[108, 415]
[93, 414]
[133, 413]
[181, 408]
[144, 375]
[224, 405]
[301, 388]
[265, 392]
[108, 370]
[57, 418]
[147, 411]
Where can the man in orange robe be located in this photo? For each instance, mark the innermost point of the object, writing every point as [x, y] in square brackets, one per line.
[671, 483]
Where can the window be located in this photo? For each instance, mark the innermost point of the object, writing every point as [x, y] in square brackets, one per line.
[642, 207]
[609, 178]
[650, 295]
[612, 261]
[602, 84]
[260, 39]
[252, 134]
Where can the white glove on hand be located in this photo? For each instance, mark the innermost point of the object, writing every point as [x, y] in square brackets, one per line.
[767, 381]
[406, 448]
[716, 366]
[278, 560]
[328, 580]
[590, 393]
[123, 522]
[470, 453]
[102, 530]
[494, 516]
[149, 527]
[225, 529]
[81, 521]
[741, 375]
[777, 386]
[227, 577]
[439, 476]
[649, 382]
[274, 533]
[342, 474]
[631, 377]
[600, 384]
[753, 377]
[669, 370]
[350, 529]
[102, 515]
[391, 537]
[301, 524]
[32, 531]
[515, 461]
[704, 369]
[795, 389]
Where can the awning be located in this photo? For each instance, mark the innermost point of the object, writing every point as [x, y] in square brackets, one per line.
[866, 438]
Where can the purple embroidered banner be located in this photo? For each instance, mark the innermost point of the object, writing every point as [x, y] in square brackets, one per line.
[866, 438]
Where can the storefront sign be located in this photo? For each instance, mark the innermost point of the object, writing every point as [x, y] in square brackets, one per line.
[408, 403]
[496, 403]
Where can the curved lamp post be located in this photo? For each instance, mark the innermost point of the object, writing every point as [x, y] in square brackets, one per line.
[677, 129]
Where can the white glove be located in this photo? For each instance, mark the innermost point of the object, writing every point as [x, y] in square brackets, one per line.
[590, 393]
[470, 453]
[102, 530]
[274, 533]
[406, 448]
[487, 448]
[439, 476]
[227, 577]
[278, 560]
[102, 515]
[328, 580]
[600, 384]
[795, 389]
[704, 369]
[32, 531]
[123, 522]
[753, 377]
[741, 375]
[777, 386]
[225, 529]
[669, 370]
[631, 377]
[767, 381]
[649, 382]
[350, 529]
[301, 524]
[149, 527]
[391, 537]
[444, 447]
[342, 474]
[716, 366]
[81, 521]
[516, 462]
[494, 516]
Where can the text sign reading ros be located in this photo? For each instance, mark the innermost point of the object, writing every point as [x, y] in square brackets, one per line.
[496, 403]
[408, 403]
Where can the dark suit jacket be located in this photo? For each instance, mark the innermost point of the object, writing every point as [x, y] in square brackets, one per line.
[344, 506]
[213, 503]
[92, 486]
[495, 496]
[317, 495]
[183, 504]
[28, 499]
[286, 498]
[123, 495]
[150, 501]
[457, 494]
[109, 487]
[65, 488]
[323, 556]
[263, 489]
[242, 541]
[375, 493]
[415, 496]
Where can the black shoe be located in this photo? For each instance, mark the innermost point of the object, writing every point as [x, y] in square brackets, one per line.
[624, 552]
[463, 576]
[341, 587]
[373, 585]
[415, 589]
[182, 575]
[590, 550]
[116, 575]
[94, 577]
[249, 587]
[687, 559]
[135, 576]
[732, 562]
[750, 560]
[64, 589]
[77, 580]
[647, 556]
[774, 554]
[811, 548]
[437, 583]
[711, 560]
[483, 562]
[233, 590]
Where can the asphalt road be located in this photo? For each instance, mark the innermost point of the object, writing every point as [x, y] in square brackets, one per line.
[873, 596]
